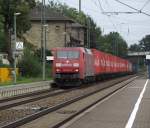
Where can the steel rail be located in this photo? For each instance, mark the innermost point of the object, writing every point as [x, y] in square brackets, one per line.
[32, 98]
[89, 106]
[54, 108]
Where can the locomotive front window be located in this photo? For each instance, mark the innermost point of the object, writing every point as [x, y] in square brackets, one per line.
[68, 54]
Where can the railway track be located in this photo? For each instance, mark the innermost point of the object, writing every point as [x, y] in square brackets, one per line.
[23, 99]
[22, 114]
[7, 103]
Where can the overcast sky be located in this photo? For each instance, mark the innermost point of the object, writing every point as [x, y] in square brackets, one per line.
[132, 27]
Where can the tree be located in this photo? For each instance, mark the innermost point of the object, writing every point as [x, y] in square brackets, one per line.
[8, 8]
[1, 23]
[82, 18]
[29, 65]
[2, 44]
[145, 43]
[135, 48]
[113, 43]
[2, 39]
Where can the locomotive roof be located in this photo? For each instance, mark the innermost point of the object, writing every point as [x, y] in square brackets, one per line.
[72, 48]
[85, 50]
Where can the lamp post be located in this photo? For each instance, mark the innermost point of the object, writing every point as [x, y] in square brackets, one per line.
[44, 48]
[15, 15]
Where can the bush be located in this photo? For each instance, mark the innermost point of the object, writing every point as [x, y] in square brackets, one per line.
[3, 46]
[48, 70]
[29, 65]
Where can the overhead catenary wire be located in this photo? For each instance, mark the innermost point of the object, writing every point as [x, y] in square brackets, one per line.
[144, 5]
[100, 5]
[139, 11]
[116, 12]
[106, 1]
[113, 24]
[102, 10]
[95, 3]
[119, 18]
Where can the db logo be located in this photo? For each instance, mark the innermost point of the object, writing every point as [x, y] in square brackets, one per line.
[67, 61]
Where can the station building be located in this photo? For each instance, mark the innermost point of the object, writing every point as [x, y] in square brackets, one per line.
[60, 31]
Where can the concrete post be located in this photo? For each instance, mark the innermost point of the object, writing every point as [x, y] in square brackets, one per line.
[148, 69]
[148, 64]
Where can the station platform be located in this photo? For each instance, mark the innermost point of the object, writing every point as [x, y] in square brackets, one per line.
[128, 108]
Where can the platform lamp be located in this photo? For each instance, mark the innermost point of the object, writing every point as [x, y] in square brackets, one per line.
[15, 26]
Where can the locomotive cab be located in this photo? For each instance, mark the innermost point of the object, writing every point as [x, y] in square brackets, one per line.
[66, 65]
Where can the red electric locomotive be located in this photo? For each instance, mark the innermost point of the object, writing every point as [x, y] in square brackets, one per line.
[74, 65]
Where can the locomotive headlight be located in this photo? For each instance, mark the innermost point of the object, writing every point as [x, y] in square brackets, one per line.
[76, 65]
[76, 70]
[58, 64]
[57, 70]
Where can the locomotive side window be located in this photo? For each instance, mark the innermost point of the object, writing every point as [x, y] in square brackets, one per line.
[68, 54]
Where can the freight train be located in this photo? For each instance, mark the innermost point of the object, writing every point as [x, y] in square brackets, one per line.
[75, 65]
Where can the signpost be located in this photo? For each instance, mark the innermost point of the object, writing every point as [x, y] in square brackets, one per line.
[19, 46]
[49, 58]
[15, 38]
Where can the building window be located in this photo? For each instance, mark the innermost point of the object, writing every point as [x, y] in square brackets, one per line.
[57, 27]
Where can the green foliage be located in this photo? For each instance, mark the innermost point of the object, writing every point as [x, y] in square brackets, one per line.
[145, 43]
[29, 64]
[39, 53]
[2, 39]
[82, 18]
[9, 7]
[7, 10]
[48, 70]
[1, 23]
[2, 42]
[135, 48]
[112, 43]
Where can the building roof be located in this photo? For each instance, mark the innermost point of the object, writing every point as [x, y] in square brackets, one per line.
[77, 25]
[50, 15]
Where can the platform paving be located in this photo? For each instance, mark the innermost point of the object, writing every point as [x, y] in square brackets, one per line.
[115, 112]
[143, 116]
